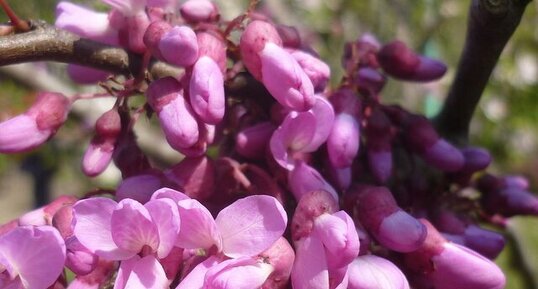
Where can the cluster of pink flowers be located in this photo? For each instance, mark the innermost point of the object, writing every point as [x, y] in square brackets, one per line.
[347, 168]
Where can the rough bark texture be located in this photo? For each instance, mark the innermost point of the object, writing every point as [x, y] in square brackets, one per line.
[491, 23]
[46, 43]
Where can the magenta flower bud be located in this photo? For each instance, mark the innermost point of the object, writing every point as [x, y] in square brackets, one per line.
[340, 178]
[346, 101]
[510, 201]
[34, 127]
[380, 160]
[370, 80]
[317, 71]
[206, 90]
[399, 61]
[343, 142]
[476, 159]
[128, 157]
[85, 22]
[140, 187]
[252, 141]
[516, 181]
[253, 40]
[304, 179]
[179, 46]
[175, 115]
[486, 242]
[391, 226]
[361, 53]
[281, 256]
[78, 258]
[132, 35]
[195, 175]
[285, 79]
[99, 153]
[199, 11]
[310, 206]
[373, 272]
[213, 45]
[289, 35]
[423, 139]
[153, 35]
[62, 221]
[443, 265]
[86, 75]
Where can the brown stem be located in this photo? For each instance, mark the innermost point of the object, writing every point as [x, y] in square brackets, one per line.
[491, 23]
[47, 43]
[21, 25]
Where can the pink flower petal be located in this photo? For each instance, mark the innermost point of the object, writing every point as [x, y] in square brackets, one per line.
[206, 90]
[92, 228]
[293, 135]
[241, 273]
[195, 279]
[324, 113]
[251, 225]
[169, 194]
[372, 272]
[146, 273]
[165, 216]
[36, 254]
[198, 228]
[132, 227]
[310, 268]
[343, 142]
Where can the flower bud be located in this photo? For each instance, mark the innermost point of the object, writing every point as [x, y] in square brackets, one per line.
[199, 11]
[390, 225]
[304, 179]
[99, 153]
[175, 115]
[289, 35]
[343, 142]
[34, 127]
[317, 71]
[86, 75]
[399, 61]
[443, 265]
[281, 256]
[179, 46]
[252, 141]
[206, 90]
[370, 80]
[373, 272]
[153, 35]
[195, 175]
[132, 34]
[253, 40]
[211, 44]
[310, 206]
[78, 258]
[140, 187]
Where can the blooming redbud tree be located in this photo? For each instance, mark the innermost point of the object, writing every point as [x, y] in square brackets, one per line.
[308, 185]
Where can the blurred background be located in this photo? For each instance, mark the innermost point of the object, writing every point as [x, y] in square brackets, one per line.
[506, 121]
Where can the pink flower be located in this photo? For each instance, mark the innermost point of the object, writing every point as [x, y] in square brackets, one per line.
[31, 257]
[373, 272]
[252, 141]
[343, 141]
[199, 11]
[304, 179]
[119, 231]
[40, 122]
[302, 132]
[141, 272]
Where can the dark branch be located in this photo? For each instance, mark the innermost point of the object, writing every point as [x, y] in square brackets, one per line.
[46, 43]
[491, 24]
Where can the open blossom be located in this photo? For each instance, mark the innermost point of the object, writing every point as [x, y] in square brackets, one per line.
[31, 257]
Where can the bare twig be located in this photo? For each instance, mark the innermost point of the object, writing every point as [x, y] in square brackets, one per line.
[491, 24]
[47, 43]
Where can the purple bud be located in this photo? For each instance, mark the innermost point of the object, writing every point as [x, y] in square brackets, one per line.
[290, 36]
[304, 179]
[196, 177]
[132, 35]
[199, 11]
[39, 123]
[317, 71]
[373, 272]
[401, 62]
[510, 201]
[78, 258]
[476, 159]
[310, 206]
[86, 75]
[380, 161]
[445, 265]
[340, 178]
[206, 90]
[153, 35]
[343, 142]
[487, 243]
[281, 256]
[213, 45]
[175, 115]
[100, 151]
[370, 80]
[515, 181]
[346, 101]
[179, 46]
[252, 141]
[390, 225]
[444, 156]
[253, 40]
[140, 187]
